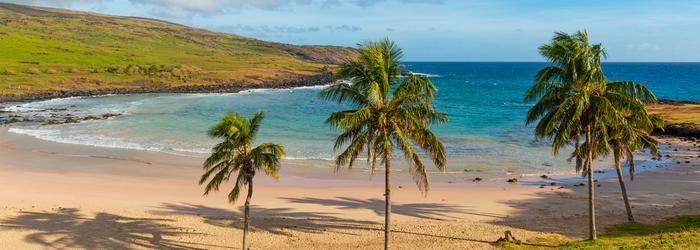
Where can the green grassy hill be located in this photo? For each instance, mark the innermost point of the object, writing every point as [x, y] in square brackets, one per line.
[53, 49]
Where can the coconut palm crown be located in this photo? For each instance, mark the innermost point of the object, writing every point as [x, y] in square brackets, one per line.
[235, 155]
[386, 114]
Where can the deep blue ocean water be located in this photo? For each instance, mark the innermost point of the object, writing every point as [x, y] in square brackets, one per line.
[486, 132]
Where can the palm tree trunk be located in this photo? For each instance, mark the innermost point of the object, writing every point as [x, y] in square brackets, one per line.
[387, 208]
[247, 212]
[620, 178]
[589, 163]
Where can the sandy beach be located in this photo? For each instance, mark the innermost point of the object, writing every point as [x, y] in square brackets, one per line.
[51, 201]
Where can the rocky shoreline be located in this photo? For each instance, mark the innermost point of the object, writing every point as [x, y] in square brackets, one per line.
[229, 87]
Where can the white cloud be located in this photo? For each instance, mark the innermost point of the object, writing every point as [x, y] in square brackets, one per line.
[173, 12]
[348, 28]
[646, 46]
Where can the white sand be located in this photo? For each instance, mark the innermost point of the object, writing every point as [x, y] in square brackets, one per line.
[56, 201]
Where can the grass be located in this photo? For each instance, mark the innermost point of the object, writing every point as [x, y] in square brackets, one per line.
[681, 232]
[677, 114]
[44, 48]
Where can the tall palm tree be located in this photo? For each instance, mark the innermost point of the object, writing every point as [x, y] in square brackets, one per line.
[386, 114]
[574, 99]
[235, 153]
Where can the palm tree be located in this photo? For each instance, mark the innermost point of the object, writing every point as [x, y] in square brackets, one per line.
[626, 139]
[386, 114]
[234, 153]
[574, 99]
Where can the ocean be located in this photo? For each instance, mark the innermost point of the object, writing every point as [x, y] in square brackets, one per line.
[486, 133]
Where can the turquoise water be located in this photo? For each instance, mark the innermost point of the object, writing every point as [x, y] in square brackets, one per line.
[486, 132]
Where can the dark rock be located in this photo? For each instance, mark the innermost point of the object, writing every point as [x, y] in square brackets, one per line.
[514, 180]
[673, 102]
[477, 179]
[553, 184]
[544, 176]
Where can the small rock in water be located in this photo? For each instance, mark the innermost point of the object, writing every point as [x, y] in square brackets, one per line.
[599, 185]
[513, 180]
[477, 179]
[581, 184]
[687, 161]
[678, 162]
[553, 184]
[400, 186]
[544, 176]
[575, 185]
[595, 180]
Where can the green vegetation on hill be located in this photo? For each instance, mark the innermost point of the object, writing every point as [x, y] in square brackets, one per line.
[44, 48]
[679, 233]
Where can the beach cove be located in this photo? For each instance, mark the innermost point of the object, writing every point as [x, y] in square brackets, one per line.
[133, 177]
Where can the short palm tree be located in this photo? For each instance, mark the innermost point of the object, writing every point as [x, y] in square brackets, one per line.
[235, 154]
[574, 99]
[387, 114]
[626, 139]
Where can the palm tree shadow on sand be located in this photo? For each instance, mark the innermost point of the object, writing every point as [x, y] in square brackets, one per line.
[429, 211]
[69, 229]
[285, 221]
[280, 221]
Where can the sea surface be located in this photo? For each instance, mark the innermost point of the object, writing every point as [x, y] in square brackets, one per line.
[486, 132]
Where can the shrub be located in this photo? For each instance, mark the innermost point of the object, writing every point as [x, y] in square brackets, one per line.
[97, 71]
[10, 72]
[52, 71]
[120, 71]
[176, 72]
[326, 68]
[196, 70]
[165, 75]
[166, 67]
[33, 71]
[133, 70]
[74, 70]
[153, 69]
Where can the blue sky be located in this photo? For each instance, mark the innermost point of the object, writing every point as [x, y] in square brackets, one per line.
[436, 30]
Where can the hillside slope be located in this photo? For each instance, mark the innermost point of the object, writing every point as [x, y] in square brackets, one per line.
[44, 49]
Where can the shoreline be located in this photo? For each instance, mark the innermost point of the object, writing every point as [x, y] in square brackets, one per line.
[232, 86]
[295, 174]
